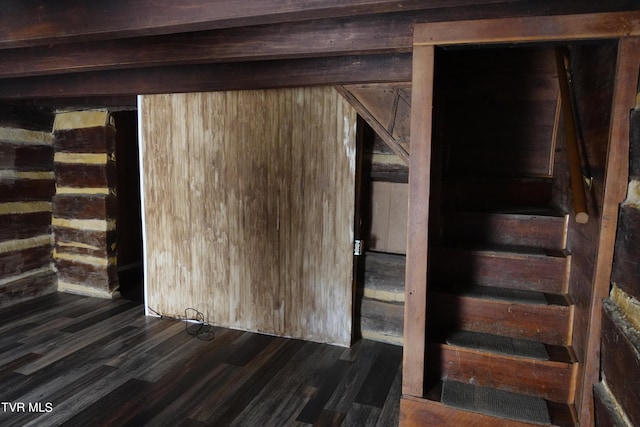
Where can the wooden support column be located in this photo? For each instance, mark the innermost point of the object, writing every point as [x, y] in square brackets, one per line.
[85, 204]
[415, 307]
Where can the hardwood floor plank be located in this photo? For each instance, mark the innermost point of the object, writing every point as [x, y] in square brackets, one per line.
[85, 308]
[200, 394]
[280, 401]
[149, 339]
[57, 396]
[113, 409]
[362, 415]
[17, 363]
[312, 410]
[94, 337]
[110, 365]
[390, 415]
[8, 345]
[54, 367]
[18, 311]
[188, 355]
[248, 349]
[97, 318]
[376, 387]
[257, 380]
[353, 380]
[329, 419]
[178, 376]
[51, 312]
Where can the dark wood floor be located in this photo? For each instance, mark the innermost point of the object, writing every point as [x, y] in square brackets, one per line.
[78, 361]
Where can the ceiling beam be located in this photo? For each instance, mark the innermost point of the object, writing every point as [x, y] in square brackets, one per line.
[41, 22]
[213, 77]
[373, 34]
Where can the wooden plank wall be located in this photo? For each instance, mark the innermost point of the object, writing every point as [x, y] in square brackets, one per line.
[618, 393]
[26, 188]
[593, 89]
[248, 207]
[85, 204]
[598, 72]
[388, 228]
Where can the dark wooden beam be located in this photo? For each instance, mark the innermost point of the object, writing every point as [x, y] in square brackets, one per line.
[213, 77]
[353, 35]
[42, 22]
[387, 33]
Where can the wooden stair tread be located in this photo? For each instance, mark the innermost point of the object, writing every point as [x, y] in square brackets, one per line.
[517, 211]
[548, 379]
[517, 296]
[498, 403]
[432, 408]
[502, 250]
[535, 227]
[474, 341]
[498, 344]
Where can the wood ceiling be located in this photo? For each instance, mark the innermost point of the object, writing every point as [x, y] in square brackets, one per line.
[73, 51]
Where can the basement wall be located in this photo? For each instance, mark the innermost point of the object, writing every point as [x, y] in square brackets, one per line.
[618, 393]
[26, 190]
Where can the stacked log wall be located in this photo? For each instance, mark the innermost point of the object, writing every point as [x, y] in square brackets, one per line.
[85, 203]
[26, 189]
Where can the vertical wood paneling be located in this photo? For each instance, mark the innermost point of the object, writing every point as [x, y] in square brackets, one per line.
[249, 200]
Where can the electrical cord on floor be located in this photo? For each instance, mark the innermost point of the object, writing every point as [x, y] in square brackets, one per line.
[199, 327]
[195, 326]
[156, 313]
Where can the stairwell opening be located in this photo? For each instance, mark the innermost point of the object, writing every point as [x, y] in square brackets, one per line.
[500, 311]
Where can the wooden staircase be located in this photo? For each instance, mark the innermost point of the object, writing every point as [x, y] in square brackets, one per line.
[499, 317]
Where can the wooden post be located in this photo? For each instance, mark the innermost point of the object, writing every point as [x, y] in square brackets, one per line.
[417, 239]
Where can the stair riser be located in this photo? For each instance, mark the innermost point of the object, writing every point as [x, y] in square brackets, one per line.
[534, 273]
[550, 324]
[501, 229]
[424, 412]
[546, 379]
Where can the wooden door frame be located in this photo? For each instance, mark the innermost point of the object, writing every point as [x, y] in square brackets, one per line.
[623, 27]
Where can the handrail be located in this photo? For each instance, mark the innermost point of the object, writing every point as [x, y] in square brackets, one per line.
[575, 165]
